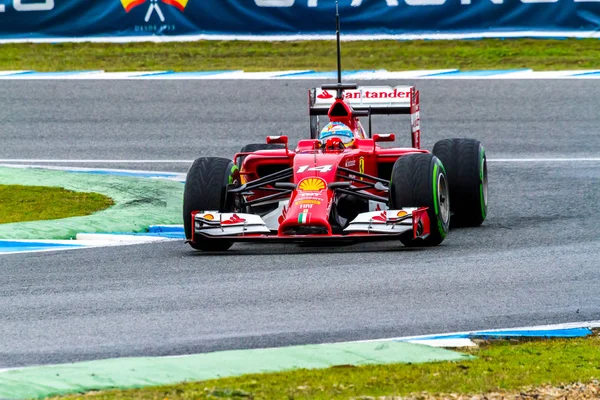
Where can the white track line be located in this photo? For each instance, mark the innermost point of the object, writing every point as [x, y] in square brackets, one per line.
[588, 324]
[96, 161]
[505, 160]
[303, 37]
[526, 160]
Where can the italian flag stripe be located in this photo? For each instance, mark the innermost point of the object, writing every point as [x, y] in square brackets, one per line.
[302, 218]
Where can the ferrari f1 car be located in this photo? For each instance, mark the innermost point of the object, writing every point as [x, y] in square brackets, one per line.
[326, 190]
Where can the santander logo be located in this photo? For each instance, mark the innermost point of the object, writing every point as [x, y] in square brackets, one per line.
[381, 217]
[365, 95]
[325, 95]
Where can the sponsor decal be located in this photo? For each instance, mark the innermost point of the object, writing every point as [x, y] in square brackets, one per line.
[179, 4]
[415, 119]
[416, 122]
[350, 163]
[325, 95]
[361, 166]
[233, 220]
[208, 217]
[310, 195]
[379, 94]
[381, 217]
[154, 8]
[306, 206]
[129, 5]
[303, 217]
[312, 184]
[384, 217]
[301, 202]
[415, 115]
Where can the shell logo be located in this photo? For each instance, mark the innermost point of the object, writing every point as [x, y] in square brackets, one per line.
[401, 213]
[312, 184]
[208, 217]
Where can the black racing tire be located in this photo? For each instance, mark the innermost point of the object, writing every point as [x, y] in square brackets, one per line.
[252, 147]
[206, 189]
[419, 180]
[466, 165]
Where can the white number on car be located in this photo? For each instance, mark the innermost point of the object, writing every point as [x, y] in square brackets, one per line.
[320, 168]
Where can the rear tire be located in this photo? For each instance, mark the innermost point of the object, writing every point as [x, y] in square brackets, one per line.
[419, 180]
[466, 165]
[206, 190]
[252, 147]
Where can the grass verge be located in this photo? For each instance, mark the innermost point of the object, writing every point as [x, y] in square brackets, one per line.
[500, 366]
[32, 203]
[539, 54]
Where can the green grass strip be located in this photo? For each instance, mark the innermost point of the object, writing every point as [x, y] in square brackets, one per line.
[497, 367]
[139, 372]
[31, 203]
[539, 54]
[138, 203]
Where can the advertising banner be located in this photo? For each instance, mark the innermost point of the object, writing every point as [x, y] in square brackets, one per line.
[28, 19]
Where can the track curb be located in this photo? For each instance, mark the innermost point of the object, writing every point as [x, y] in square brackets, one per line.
[128, 373]
[139, 202]
[138, 372]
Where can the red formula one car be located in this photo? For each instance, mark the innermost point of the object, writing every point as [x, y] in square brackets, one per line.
[329, 190]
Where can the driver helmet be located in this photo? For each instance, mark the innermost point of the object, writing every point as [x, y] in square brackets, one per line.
[337, 130]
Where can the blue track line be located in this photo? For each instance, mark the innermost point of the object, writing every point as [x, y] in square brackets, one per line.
[58, 73]
[479, 72]
[549, 333]
[11, 246]
[191, 73]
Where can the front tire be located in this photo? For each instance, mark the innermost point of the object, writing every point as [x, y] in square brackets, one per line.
[206, 190]
[419, 180]
[466, 165]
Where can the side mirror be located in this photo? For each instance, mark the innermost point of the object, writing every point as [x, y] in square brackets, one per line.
[389, 137]
[277, 140]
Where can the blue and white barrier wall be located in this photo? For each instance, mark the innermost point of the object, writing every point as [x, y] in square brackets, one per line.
[39, 19]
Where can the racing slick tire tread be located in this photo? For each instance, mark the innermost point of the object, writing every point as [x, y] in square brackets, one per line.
[252, 147]
[206, 189]
[466, 165]
[412, 185]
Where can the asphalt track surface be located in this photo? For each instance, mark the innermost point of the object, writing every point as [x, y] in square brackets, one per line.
[534, 261]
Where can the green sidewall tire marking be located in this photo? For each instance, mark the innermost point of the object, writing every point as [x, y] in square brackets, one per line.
[435, 196]
[440, 223]
[481, 198]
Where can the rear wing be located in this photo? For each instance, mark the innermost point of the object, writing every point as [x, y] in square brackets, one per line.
[382, 100]
[367, 101]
